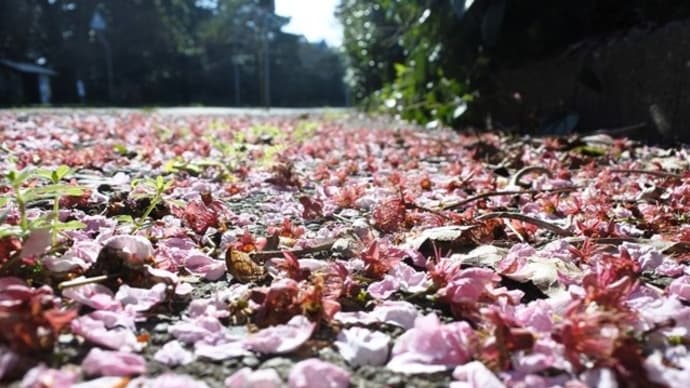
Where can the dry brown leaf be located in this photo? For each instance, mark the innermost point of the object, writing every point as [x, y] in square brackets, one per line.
[242, 267]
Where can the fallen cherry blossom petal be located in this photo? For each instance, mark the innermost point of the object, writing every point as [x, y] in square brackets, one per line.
[474, 374]
[94, 295]
[399, 313]
[360, 346]
[141, 299]
[222, 350]
[681, 287]
[172, 354]
[432, 347]
[248, 378]
[41, 377]
[672, 369]
[134, 250]
[281, 338]
[112, 363]
[196, 329]
[101, 382]
[385, 288]
[101, 333]
[314, 373]
[167, 380]
[203, 265]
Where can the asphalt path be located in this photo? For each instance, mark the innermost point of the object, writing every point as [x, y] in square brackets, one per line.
[192, 110]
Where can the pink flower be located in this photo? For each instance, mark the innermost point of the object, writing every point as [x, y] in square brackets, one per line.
[281, 338]
[113, 363]
[314, 373]
[360, 346]
[432, 347]
[247, 378]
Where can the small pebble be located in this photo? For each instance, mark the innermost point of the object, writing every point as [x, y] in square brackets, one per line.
[250, 361]
[161, 328]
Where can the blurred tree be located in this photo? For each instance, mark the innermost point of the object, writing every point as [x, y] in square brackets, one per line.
[168, 52]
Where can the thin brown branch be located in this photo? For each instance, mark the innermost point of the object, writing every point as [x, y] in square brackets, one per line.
[515, 180]
[660, 174]
[264, 255]
[530, 220]
[599, 240]
[477, 197]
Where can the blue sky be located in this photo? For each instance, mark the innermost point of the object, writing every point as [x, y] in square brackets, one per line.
[312, 18]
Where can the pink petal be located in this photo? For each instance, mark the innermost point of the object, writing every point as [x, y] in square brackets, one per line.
[96, 296]
[247, 378]
[101, 382]
[193, 330]
[81, 255]
[411, 281]
[141, 299]
[383, 289]
[675, 375]
[36, 243]
[282, 338]
[172, 354]
[221, 351]
[314, 373]
[167, 380]
[9, 362]
[432, 347]
[97, 332]
[474, 374]
[183, 289]
[203, 265]
[360, 346]
[137, 249]
[113, 363]
[399, 313]
[681, 288]
[41, 377]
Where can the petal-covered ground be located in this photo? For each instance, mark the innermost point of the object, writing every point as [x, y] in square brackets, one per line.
[150, 250]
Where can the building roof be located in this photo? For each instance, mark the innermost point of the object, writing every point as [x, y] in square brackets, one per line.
[26, 67]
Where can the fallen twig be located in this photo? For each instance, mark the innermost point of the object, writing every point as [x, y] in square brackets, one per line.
[508, 192]
[661, 174]
[531, 220]
[264, 255]
[82, 281]
[515, 179]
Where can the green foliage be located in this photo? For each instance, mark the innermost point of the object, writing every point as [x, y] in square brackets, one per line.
[22, 197]
[154, 190]
[397, 65]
